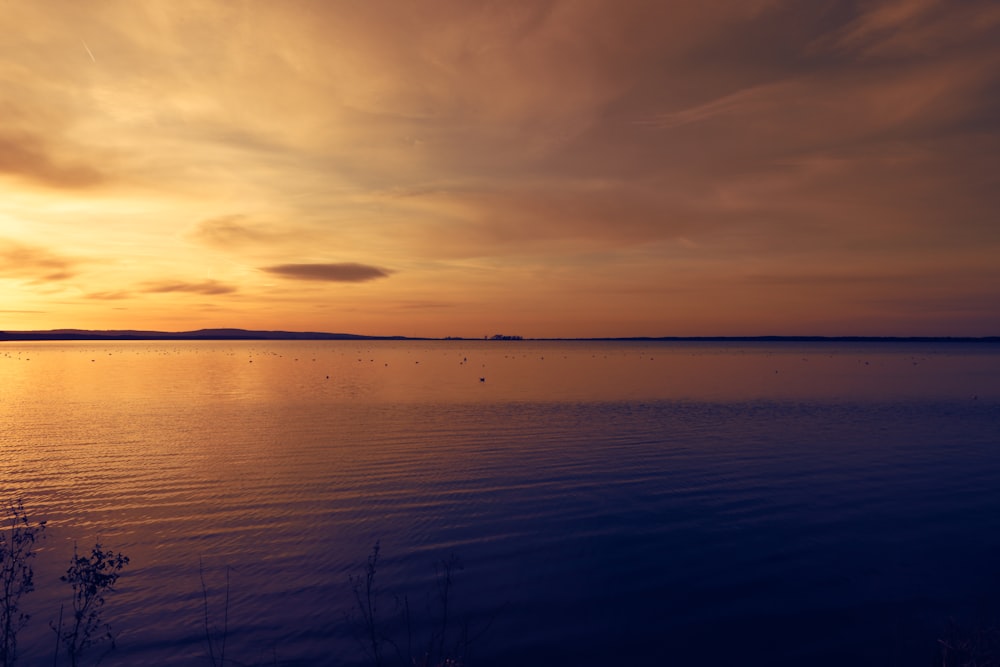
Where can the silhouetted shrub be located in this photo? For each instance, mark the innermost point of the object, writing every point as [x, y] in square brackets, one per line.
[91, 578]
[17, 548]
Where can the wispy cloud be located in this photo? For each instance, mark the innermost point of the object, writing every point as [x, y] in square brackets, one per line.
[204, 287]
[424, 305]
[109, 296]
[29, 156]
[742, 103]
[915, 28]
[340, 273]
[33, 263]
[230, 230]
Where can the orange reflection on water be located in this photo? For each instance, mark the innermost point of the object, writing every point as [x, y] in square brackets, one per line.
[282, 455]
[184, 375]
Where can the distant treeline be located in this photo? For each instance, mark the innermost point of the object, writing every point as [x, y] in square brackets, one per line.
[201, 334]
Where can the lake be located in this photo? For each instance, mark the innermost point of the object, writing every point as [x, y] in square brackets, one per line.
[600, 503]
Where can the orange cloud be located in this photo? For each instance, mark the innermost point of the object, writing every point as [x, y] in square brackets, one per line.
[110, 296]
[229, 230]
[35, 264]
[29, 157]
[204, 287]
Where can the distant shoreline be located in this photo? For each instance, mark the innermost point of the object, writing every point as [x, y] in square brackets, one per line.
[201, 334]
[245, 334]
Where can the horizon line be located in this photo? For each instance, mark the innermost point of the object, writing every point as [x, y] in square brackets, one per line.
[231, 333]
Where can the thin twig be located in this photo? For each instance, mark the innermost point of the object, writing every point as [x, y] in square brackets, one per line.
[58, 629]
[225, 622]
[204, 595]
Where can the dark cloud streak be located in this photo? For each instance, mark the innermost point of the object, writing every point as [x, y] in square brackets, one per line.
[109, 296]
[341, 273]
[205, 287]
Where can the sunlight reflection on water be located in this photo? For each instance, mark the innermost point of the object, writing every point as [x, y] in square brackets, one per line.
[610, 501]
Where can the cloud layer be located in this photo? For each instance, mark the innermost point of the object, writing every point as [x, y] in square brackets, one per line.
[562, 167]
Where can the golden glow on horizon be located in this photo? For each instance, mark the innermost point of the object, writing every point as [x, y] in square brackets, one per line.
[467, 168]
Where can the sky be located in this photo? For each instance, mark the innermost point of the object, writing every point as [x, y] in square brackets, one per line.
[544, 168]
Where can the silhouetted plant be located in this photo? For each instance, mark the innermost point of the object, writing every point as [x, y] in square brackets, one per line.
[366, 601]
[444, 645]
[447, 645]
[91, 577]
[209, 639]
[961, 647]
[17, 548]
[445, 571]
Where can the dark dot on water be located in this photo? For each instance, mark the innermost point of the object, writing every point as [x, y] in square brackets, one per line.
[482, 379]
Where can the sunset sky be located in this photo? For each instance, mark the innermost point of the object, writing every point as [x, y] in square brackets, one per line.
[466, 168]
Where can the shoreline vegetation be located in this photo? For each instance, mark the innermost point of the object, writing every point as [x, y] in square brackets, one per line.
[442, 637]
[439, 637]
[247, 334]
[81, 625]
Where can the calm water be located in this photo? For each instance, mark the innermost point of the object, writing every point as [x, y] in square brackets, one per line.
[611, 503]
